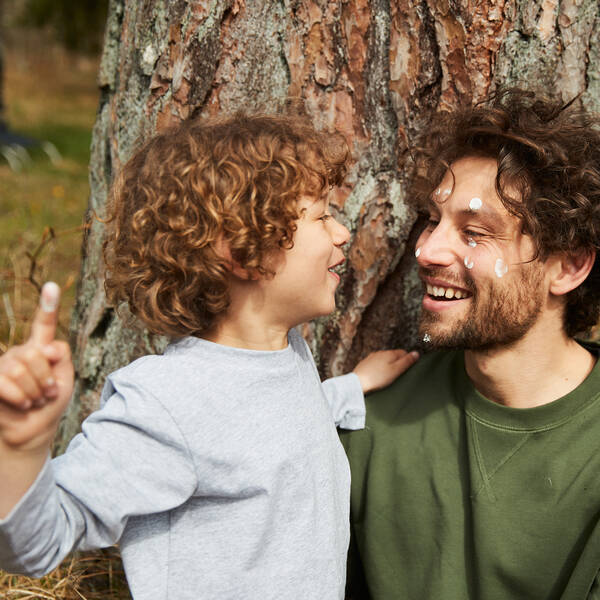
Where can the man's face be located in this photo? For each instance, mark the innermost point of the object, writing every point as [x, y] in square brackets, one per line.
[483, 290]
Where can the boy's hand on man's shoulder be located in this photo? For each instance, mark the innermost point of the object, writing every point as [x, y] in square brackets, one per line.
[36, 382]
[379, 369]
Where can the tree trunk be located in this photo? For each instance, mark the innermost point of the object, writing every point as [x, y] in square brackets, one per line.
[376, 71]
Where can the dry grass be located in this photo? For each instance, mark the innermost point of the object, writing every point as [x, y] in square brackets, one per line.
[82, 577]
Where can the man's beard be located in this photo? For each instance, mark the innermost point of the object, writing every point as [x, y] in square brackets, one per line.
[498, 315]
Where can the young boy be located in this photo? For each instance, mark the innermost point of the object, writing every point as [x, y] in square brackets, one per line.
[216, 466]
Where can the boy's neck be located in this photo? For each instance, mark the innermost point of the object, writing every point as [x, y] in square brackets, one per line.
[249, 338]
[249, 322]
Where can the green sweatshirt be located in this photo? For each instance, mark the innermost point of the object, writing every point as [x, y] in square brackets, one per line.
[455, 497]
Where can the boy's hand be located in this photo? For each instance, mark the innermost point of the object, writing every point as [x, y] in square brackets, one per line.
[36, 382]
[379, 369]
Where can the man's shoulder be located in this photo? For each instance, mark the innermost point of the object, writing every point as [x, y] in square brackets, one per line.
[429, 384]
[425, 396]
[432, 371]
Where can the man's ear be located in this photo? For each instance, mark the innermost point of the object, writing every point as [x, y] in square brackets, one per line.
[223, 249]
[570, 271]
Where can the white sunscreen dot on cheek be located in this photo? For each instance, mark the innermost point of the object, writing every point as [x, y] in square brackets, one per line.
[472, 243]
[426, 338]
[468, 262]
[418, 252]
[475, 204]
[500, 268]
[438, 192]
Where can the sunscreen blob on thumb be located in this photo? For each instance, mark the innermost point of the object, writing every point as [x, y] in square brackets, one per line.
[49, 297]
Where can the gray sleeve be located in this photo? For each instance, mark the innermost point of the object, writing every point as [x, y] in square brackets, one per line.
[130, 459]
[346, 401]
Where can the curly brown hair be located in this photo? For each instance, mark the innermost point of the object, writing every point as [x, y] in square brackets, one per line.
[233, 180]
[549, 153]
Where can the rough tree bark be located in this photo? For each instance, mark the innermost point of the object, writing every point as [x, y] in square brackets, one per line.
[375, 70]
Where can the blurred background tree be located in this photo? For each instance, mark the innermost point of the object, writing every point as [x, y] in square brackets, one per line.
[78, 25]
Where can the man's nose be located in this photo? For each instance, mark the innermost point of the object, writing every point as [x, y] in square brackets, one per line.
[339, 233]
[435, 248]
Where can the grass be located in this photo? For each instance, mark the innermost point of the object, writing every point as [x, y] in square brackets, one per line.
[97, 576]
[50, 96]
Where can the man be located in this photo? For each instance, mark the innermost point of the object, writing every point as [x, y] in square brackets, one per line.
[478, 473]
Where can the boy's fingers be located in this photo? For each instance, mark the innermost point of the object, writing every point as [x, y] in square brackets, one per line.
[43, 328]
[405, 360]
[12, 394]
[63, 367]
[56, 350]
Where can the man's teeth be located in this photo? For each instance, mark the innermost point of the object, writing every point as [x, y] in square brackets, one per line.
[445, 292]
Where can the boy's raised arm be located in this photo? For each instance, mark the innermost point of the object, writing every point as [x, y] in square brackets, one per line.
[36, 382]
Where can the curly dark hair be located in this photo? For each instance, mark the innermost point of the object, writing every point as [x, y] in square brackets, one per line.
[189, 189]
[546, 151]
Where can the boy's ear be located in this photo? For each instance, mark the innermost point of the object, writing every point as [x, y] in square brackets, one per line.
[224, 251]
[570, 270]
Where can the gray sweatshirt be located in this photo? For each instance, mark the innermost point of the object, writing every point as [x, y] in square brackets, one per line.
[218, 470]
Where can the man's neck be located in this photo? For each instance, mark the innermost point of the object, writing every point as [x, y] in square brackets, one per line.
[540, 368]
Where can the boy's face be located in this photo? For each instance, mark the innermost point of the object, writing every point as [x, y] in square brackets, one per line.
[483, 289]
[304, 283]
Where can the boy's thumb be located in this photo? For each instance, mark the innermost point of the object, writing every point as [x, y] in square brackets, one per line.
[43, 328]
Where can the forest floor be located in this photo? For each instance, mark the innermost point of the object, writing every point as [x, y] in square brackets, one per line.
[52, 97]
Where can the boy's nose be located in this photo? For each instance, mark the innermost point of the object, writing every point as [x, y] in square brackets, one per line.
[340, 233]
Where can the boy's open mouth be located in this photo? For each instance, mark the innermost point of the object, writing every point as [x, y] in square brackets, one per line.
[437, 292]
[336, 267]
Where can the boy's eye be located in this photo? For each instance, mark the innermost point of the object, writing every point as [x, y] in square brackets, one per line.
[432, 223]
[324, 217]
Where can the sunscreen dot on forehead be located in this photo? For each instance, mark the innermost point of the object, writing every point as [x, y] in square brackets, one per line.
[426, 338]
[468, 262]
[500, 268]
[475, 203]
[418, 252]
[472, 243]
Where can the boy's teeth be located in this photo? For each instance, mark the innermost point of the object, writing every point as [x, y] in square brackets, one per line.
[445, 292]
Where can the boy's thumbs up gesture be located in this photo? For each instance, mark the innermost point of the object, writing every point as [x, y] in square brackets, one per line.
[36, 382]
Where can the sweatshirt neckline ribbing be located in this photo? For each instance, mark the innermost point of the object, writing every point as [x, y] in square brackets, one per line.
[539, 418]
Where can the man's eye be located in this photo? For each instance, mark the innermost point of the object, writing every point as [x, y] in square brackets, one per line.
[471, 233]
